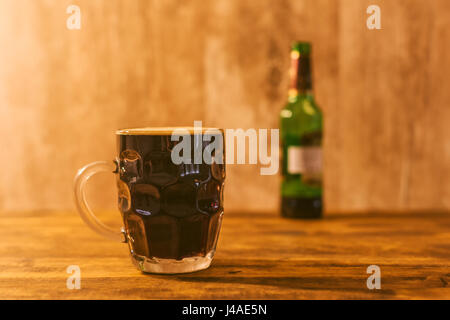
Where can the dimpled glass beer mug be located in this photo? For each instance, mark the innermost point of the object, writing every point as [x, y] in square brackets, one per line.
[170, 193]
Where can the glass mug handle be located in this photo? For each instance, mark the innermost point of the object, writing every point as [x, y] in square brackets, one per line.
[84, 210]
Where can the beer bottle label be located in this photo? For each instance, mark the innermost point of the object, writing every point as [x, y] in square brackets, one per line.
[306, 161]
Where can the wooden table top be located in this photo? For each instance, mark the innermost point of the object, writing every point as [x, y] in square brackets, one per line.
[259, 256]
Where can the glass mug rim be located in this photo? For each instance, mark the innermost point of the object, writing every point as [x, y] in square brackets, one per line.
[167, 130]
[162, 264]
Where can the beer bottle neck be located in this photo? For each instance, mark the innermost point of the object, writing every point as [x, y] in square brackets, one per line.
[300, 75]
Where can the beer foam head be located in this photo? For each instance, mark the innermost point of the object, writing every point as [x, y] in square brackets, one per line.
[163, 131]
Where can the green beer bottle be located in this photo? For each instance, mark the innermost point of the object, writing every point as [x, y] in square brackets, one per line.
[301, 142]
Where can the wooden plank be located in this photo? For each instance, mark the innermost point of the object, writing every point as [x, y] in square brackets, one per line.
[260, 256]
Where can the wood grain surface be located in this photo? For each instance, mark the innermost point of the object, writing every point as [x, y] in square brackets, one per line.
[385, 93]
[259, 256]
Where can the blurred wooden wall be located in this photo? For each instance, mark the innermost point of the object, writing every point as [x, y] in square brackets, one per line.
[385, 93]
